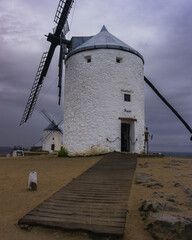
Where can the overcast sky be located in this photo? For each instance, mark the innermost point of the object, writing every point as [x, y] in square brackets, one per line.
[160, 30]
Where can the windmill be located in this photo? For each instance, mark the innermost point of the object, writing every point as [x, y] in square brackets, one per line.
[51, 134]
[56, 38]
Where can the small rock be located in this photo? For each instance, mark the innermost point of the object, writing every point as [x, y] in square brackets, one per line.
[177, 184]
[25, 227]
[189, 204]
[159, 194]
[145, 165]
[179, 175]
[187, 190]
[172, 208]
[56, 234]
[175, 163]
[154, 206]
[170, 198]
[181, 204]
[150, 206]
[142, 177]
[172, 168]
[190, 163]
[156, 185]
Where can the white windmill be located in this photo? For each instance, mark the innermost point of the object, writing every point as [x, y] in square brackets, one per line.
[51, 134]
[104, 96]
[104, 90]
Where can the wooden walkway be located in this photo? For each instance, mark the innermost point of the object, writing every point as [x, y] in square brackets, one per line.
[95, 201]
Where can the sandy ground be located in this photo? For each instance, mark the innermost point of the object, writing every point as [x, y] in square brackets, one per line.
[54, 173]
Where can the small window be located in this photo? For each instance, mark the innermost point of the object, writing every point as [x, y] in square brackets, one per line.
[118, 59]
[53, 138]
[127, 97]
[88, 58]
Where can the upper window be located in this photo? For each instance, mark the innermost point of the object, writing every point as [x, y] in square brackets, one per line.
[118, 59]
[88, 58]
[127, 97]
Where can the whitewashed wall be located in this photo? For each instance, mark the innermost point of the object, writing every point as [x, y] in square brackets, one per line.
[94, 101]
[51, 137]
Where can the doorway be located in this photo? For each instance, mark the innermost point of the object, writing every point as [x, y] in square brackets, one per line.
[53, 147]
[125, 137]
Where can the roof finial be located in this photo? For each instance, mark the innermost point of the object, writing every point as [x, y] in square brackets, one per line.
[104, 29]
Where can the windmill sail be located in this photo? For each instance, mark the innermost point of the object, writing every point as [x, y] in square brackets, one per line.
[35, 90]
[47, 116]
[61, 19]
[53, 124]
[62, 12]
[60, 72]
[61, 58]
[168, 105]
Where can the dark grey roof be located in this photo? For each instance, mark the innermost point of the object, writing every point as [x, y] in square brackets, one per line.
[52, 127]
[103, 39]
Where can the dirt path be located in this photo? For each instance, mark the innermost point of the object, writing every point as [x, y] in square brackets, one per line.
[54, 173]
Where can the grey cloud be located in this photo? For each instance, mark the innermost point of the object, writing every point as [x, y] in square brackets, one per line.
[160, 30]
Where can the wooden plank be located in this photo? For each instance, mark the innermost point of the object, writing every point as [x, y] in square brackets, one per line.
[91, 207]
[95, 201]
[87, 212]
[95, 193]
[105, 221]
[90, 198]
[74, 226]
[91, 203]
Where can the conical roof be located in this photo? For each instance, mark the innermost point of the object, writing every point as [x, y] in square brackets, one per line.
[52, 127]
[104, 39]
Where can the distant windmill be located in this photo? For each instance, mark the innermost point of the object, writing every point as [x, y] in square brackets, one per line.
[51, 134]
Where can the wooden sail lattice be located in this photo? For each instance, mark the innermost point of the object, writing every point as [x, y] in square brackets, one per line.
[37, 84]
